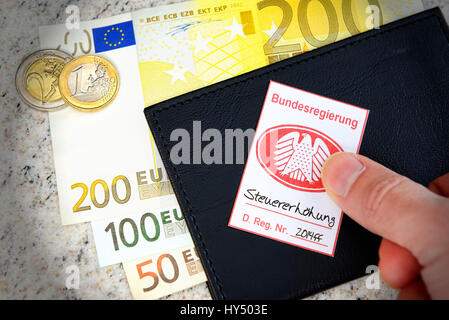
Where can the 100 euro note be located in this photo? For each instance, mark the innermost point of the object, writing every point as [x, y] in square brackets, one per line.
[105, 164]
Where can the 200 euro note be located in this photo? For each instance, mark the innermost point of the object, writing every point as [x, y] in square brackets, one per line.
[104, 161]
[189, 45]
[193, 44]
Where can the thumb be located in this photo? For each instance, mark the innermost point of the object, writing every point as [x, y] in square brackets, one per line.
[389, 205]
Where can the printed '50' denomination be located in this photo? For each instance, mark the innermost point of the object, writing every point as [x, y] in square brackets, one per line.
[161, 274]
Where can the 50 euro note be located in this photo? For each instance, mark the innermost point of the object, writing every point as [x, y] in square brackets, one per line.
[163, 273]
[104, 162]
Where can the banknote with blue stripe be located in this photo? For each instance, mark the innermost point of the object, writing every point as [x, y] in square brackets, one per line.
[104, 161]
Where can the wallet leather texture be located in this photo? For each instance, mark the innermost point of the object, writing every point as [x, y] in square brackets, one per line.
[399, 72]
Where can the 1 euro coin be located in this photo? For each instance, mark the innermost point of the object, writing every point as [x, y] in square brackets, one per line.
[89, 83]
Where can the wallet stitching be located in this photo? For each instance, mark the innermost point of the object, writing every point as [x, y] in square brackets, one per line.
[225, 86]
[248, 78]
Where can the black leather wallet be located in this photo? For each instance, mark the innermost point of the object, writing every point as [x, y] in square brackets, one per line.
[399, 72]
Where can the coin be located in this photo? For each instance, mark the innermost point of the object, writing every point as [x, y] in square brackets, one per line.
[89, 83]
[37, 79]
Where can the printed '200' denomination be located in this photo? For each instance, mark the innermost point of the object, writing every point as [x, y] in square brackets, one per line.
[98, 156]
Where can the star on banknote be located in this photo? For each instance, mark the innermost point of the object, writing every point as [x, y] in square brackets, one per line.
[236, 29]
[272, 31]
[177, 73]
[200, 44]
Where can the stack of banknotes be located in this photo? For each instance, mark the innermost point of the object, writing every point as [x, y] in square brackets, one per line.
[108, 169]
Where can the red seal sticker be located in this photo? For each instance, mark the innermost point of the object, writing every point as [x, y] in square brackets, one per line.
[294, 155]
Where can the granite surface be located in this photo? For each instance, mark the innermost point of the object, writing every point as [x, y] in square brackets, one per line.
[35, 249]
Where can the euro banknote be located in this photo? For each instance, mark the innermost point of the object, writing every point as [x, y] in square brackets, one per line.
[189, 45]
[103, 160]
[105, 164]
[133, 236]
[193, 44]
[163, 273]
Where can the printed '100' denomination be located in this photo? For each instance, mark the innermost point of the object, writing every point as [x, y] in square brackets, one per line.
[132, 236]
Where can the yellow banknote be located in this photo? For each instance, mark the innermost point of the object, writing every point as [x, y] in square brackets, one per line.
[193, 44]
[163, 273]
[190, 45]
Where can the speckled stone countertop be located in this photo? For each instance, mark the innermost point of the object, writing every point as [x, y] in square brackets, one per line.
[35, 249]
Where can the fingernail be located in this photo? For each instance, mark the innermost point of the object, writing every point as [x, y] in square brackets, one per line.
[340, 172]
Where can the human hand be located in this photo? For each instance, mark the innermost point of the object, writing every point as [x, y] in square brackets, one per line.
[413, 221]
